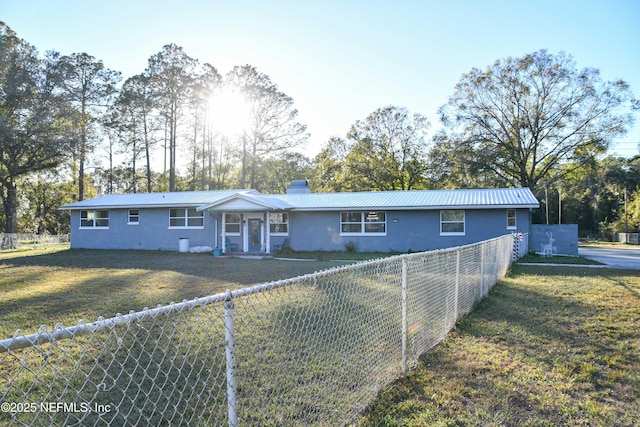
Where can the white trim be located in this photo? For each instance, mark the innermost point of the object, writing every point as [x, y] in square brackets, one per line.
[245, 228]
[233, 233]
[186, 218]
[94, 220]
[223, 235]
[266, 239]
[515, 219]
[129, 222]
[279, 233]
[363, 224]
[454, 233]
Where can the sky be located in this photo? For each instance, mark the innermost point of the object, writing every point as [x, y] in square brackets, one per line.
[342, 60]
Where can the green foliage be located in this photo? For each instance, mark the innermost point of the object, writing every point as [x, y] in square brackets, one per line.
[350, 247]
[35, 132]
[386, 151]
[40, 195]
[523, 118]
[88, 87]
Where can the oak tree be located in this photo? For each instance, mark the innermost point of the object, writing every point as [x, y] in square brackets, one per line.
[34, 120]
[521, 118]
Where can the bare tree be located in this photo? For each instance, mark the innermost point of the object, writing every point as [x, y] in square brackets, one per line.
[272, 125]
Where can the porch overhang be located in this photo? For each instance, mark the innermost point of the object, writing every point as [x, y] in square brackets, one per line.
[245, 203]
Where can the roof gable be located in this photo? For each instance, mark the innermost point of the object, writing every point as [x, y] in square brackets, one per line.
[245, 202]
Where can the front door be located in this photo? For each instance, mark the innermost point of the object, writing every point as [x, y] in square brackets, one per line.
[255, 235]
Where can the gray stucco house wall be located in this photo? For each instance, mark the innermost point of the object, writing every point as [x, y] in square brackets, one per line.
[406, 230]
[152, 232]
[248, 221]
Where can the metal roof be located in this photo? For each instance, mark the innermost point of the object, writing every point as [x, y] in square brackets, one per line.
[388, 200]
[417, 199]
[155, 200]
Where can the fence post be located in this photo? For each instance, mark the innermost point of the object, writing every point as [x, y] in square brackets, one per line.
[404, 316]
[483, 293]
[230, 351]
[455, 312]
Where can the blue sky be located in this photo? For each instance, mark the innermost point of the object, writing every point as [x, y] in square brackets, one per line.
[341, 60]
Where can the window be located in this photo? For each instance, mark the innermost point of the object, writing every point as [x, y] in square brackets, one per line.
[511, 218]
[279, 223]
[94, 219]
[366, 223]
[232, 224]
[186, 218]
[452, 223]
[134, 217]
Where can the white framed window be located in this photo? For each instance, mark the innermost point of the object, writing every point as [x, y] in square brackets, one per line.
[94, 219]
[133, 217]
[370, 223]
[511, 219]
[186, 218]
[278, 224]
[232, 223]
[452, 223]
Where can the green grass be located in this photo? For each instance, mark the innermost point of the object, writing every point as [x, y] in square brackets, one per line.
[333, 255]
[290, 350]
[63, 286]
[552, 347]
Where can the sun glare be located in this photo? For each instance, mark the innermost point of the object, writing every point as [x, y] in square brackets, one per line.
[229, 113]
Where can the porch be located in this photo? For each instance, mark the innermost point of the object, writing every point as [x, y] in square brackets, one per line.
[249, 225]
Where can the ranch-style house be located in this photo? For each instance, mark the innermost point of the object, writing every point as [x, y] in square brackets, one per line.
[248, 221]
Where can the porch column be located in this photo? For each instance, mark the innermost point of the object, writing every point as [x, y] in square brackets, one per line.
[266, 232]
[223, 236]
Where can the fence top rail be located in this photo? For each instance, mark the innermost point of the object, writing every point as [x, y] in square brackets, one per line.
[60, 332]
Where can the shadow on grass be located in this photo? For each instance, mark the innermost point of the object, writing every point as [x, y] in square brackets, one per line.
[68, 285]
[202, 265]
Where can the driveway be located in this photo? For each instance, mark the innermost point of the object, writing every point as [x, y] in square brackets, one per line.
[613, 256]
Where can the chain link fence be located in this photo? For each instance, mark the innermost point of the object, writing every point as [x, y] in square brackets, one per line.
[313, 350]
[33, 241]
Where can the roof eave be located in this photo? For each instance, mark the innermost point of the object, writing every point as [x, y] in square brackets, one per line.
[415, 208]
[129, 206]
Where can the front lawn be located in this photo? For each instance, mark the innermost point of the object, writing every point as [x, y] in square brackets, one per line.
[288, 253]
[63, 286]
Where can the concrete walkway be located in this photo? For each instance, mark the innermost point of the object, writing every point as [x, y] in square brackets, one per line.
[615, 256]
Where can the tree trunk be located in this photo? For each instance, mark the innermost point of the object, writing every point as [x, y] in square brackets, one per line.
[10, 203]
[147, 155]
[243, 178]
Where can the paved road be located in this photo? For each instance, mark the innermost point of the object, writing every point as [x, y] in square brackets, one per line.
[613, 256]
